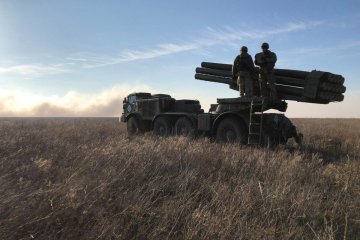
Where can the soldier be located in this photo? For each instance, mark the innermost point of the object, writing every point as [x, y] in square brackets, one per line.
[266, 60]
[243, 69]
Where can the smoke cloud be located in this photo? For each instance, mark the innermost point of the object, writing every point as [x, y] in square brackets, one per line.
[107, 103]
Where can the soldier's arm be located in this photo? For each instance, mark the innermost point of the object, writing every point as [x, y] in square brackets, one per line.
[234, 66]
[271, 58]
[275, 58]
[251, 64]
[256, 59]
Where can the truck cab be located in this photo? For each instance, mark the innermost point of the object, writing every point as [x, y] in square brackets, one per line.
[130, 105]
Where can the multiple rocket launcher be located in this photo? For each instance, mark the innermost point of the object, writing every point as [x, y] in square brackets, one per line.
[302, 86]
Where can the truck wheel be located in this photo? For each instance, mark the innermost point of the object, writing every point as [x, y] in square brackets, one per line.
[184, 127]
[134, 126]
[230, 130]
[162, 127]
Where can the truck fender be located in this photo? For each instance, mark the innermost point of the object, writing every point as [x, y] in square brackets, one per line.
[137, 115]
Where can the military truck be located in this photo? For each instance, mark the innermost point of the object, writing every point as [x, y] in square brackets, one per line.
[161, 114]
[242, 120]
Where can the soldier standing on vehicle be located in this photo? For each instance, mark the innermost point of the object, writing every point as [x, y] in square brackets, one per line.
[266, 60]
[243, 69]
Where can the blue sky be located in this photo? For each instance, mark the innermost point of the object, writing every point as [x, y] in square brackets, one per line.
[79, 58]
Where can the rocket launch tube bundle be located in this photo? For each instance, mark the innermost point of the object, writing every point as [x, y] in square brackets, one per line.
[302, 86]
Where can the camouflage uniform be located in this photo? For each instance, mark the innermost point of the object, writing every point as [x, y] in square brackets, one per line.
[243, 69]
[266, 60]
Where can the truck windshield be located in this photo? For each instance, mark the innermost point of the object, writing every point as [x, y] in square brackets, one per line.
[132, 99]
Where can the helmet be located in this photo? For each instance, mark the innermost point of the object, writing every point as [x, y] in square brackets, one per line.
[244, 49]
[265, 45]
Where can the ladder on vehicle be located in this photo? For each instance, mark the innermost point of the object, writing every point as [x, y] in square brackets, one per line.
[256, 121]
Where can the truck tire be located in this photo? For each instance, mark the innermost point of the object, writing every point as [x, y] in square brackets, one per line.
[231, 130]
[184, 127]
[162, 127]
[134, 126]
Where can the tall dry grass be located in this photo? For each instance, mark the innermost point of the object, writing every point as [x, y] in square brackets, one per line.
[84, 179]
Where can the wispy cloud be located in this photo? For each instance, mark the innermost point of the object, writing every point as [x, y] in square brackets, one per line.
[212, 37]
[291, 27]
[32, 70]
[161, 50]
[340, 49]
[229, 34]
[133, 55]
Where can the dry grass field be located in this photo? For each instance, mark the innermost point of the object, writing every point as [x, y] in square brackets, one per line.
[84, 179]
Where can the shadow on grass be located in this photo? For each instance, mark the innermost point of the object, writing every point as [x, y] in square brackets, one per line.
[330, 150]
